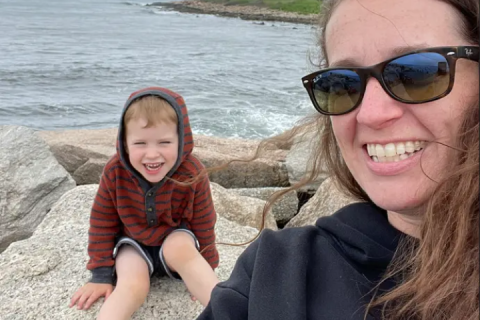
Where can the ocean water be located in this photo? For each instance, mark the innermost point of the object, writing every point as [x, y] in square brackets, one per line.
[71, 64]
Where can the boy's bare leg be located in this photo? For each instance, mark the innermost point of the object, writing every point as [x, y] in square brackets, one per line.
[133, 284]
[182, 256]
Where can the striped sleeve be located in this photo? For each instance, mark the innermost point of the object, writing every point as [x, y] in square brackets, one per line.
[104, 226]
[203, 221]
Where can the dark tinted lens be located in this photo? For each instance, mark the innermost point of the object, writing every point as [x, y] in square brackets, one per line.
[418, 77]
[337, 91]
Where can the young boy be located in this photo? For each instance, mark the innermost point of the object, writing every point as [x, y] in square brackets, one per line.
[143, 222]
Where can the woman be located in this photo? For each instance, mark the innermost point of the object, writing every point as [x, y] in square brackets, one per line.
[399, 131]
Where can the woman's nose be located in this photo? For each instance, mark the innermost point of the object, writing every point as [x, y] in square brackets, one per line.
[378, 109]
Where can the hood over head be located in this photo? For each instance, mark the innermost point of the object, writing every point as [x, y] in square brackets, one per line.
[185, 137]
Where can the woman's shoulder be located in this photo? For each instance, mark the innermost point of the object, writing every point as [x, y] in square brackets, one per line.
[355, 231]
[355, 215]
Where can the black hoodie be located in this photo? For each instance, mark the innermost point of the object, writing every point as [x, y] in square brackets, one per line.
[326, 271]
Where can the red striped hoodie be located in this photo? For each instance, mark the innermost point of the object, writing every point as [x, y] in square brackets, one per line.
[127, 204]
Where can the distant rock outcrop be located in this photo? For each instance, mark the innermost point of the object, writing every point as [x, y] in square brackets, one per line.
[244, 12]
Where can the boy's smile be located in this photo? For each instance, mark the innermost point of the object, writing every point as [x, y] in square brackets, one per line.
[152, 151]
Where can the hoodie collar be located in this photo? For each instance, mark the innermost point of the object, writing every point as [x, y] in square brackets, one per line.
[363, 234]
[185, 137]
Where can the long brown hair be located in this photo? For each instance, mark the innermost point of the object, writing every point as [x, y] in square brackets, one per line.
[439, 277]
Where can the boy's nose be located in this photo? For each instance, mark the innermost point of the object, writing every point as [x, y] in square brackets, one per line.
[152, 152]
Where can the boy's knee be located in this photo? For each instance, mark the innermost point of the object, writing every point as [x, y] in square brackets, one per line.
[137, 286]
[132, 272]
[179, 247]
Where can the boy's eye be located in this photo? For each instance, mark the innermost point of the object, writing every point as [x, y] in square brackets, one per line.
[164, 142]
[139, 143]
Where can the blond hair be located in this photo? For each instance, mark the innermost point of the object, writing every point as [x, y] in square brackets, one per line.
[151, 108]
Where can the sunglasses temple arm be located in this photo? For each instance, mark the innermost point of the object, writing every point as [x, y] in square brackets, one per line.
[470, 53]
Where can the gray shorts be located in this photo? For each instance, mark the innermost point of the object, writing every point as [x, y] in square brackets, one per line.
[153, 255]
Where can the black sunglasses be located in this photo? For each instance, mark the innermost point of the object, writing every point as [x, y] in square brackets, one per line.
[416, 77]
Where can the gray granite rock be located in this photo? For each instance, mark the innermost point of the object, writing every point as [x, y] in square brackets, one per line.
[326, 201]
[31, 181]
[246, 211]
[90, 170]
[39, 275]
[283, 210]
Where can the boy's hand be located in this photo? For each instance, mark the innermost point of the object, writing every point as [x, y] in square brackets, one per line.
[89, 293]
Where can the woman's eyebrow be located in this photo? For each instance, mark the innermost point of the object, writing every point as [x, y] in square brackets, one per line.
[344, 63]
[397, 51]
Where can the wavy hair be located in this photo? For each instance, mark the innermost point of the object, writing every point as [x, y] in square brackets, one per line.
[439, 276]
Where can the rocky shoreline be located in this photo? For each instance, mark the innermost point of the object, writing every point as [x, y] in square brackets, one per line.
[49, 180]
[243, 12]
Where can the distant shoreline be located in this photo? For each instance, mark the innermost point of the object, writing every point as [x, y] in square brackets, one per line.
[243, 12]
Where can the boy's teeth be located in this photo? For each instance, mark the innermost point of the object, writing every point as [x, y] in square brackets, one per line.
[152, 166]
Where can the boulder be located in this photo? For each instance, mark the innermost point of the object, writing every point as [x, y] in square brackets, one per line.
[283, 209]
[326, 201]
[31, 181]
[246, 211]
[84, 153]
[267, 171]
[89, 171]
[39, 275]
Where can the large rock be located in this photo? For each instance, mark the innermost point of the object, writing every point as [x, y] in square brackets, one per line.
[297, 160]
[31, 181]
[267, 171]
[326, 201]
[40, 274]
[283, 209]
[84, 153]
[246, 211]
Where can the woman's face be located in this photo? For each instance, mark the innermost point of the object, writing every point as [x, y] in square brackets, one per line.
[366, 32]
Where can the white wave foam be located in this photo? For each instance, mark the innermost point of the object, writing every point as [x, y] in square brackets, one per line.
[164, 12]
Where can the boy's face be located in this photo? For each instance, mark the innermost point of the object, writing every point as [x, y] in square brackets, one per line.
[152, 151]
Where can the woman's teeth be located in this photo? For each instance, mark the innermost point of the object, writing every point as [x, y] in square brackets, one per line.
[393, 152]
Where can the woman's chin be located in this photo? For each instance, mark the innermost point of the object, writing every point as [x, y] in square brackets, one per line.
[402, 203]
